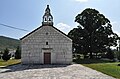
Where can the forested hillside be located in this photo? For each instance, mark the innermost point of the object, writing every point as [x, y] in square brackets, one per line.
[6, 42]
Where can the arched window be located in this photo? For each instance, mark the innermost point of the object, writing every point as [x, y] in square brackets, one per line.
[49, 19]
[45, 19]
[46, 43]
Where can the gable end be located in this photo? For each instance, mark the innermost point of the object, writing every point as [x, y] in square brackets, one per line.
[44, 26]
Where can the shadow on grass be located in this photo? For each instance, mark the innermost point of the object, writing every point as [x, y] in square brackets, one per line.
[90, 61]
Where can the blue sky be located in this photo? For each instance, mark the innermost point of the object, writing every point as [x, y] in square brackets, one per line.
[27, 14]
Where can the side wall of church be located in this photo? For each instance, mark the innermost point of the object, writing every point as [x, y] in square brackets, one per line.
[34, 45]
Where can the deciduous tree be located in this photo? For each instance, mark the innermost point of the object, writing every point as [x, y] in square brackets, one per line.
[94, 33]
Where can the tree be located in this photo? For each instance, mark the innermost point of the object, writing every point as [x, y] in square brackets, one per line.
[1, 53]
[118, 55]
[6, 55]
[94, 33]
[118, 43]
[18, 53]
[110, 54]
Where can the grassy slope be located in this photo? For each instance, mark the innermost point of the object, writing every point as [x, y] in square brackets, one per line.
[109, 68]
[6, 42]
[9, 62]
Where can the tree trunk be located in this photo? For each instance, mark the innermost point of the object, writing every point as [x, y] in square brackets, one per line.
[91, 56]
[96, 56]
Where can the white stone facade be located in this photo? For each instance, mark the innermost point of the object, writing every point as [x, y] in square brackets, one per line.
[46, 44]
[34, 45]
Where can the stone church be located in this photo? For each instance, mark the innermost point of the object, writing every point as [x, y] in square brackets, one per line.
[46, 44]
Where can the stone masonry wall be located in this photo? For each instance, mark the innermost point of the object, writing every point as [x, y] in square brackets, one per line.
[35, 43]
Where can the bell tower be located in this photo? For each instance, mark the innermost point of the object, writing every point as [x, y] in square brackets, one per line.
[47, 18]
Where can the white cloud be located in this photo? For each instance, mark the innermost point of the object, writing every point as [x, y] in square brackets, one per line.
[81, 0]
[63, 27]
[114, 22]
[116, 27]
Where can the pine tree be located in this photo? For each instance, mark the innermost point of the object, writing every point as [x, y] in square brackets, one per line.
[18, 53]
[6, 55]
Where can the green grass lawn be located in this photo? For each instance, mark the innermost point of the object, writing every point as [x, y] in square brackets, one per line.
[9, 62]
[109, 68]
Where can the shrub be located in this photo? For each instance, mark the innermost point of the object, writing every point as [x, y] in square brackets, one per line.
[118, 64]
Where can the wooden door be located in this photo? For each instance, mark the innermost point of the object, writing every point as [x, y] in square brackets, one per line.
[47, 58]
